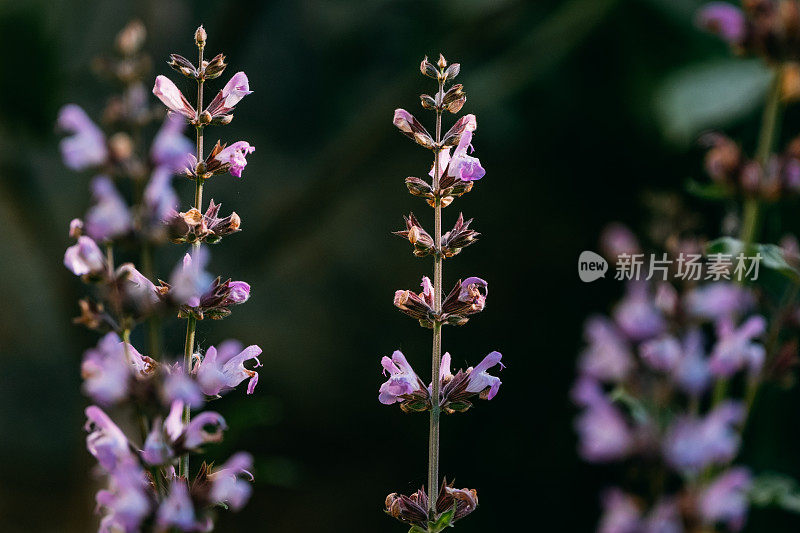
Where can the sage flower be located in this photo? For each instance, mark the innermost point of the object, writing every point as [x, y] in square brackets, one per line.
[231, 484]
[169, 94]
[480, 382]
[87, 146]
[725, 499]
[170, 147]
[735, 348]
[177, 509]
[402, 379]
[222, 370]
[189, 437]
[126, 503]
[223, 103]
[85, 258]
[106, 442]
[461, 165]
[235, 155]
[109, 217]
[607, 356]
[692, 443]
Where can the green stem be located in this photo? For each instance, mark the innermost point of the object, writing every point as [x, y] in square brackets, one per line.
[191, 323]
[436, 358]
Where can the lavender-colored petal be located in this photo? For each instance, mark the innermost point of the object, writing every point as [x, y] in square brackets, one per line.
[170, 147]
[235, 155]
[84, 257]
[86, 147]
[237, 88]
[480, 381]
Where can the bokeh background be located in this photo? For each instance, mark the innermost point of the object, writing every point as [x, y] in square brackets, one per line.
[585, 107]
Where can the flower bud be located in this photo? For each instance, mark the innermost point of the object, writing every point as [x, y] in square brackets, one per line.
[182, 65]
[442, 62]
[75, 228]
[429, 69]
[215, 67]
[205, 118]
[452, 71]
[427, 101]
[200, 36]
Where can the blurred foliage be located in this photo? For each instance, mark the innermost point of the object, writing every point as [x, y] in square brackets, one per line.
[580, 104]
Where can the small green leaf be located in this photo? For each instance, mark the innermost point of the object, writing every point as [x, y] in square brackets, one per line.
[444, 521]
[416, 529]
[724, 245]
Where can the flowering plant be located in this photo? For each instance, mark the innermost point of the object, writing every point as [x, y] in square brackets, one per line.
[149, 482]
[668, 382]
[453, 174]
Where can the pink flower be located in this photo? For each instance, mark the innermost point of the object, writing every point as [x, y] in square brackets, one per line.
[227, 485]
[106, 442]
[480, 381]
[87, 146]
[235, 156]
[177, 510]
[222, 370]
[402, 379]
[170, 147]
[173, 98]
[223, 103]
[84, 257]
[194, 434]
[463, 166]
[109, 217]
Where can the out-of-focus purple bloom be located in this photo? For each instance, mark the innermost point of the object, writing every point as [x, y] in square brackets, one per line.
[239, 291]
[189, 281]
[603, 433]
[235, 155]
[84, 257]
[160, 199]
[179, 386]
[620, 513]
[616, 240]
[177, 510]
[725, 499]
[464, 166]
[87, 146]
[663, 353]
[136, 286]
[222, 370]
[717, 300]
[227, 483]
[106, 442]
[157, 450]
[194, 434]
[723, 19]
[637, 315]
[664, 517]
[608, 356]
[693, 443]
[108, 368]
[109, 217]
[480, 380]
[735, 348]
[169, 94]
[692, 373]
[126, 503]
[170, 147]
[402, 379]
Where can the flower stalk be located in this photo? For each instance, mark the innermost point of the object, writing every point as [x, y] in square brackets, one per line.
[437, 505]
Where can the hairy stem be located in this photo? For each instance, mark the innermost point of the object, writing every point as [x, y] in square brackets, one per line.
[433, 441]
[191, 323]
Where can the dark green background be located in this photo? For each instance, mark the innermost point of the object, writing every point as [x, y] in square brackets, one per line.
[566, 95]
